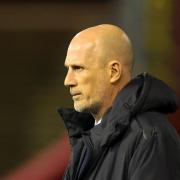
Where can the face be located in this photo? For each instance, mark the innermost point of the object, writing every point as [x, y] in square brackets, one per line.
[87, 77]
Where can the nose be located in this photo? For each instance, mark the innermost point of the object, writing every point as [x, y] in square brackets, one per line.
[70, 79]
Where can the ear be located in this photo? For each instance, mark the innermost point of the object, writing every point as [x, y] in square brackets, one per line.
[115, 68]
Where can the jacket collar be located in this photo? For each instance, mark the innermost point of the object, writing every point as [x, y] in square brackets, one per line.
[131, 100]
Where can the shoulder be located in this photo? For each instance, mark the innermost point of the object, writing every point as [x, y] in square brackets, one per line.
[155, 122]
[158, 148]
[156, 130]
[152, 130]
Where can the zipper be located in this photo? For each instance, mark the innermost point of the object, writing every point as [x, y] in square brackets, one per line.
[90, 151]
[88, 142]
[96, 162]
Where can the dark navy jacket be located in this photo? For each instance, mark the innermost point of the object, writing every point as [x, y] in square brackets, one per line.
[134, 141]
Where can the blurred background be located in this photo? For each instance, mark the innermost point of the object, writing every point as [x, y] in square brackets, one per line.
[34, 36]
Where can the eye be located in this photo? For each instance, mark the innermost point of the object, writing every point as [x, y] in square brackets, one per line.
[77, 68]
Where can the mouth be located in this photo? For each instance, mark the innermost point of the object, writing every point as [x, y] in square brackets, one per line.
[75, 95]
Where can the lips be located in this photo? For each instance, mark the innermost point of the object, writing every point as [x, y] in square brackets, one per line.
[75, 95]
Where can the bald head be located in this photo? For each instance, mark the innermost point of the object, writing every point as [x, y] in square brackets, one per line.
[107, 42]
[99, 63]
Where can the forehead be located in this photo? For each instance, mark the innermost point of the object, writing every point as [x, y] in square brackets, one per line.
[80, 53]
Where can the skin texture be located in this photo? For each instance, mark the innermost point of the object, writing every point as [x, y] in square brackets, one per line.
[99, 63]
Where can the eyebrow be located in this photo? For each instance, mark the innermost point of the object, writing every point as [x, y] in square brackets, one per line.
[74, 64]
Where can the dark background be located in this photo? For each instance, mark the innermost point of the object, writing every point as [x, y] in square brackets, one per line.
[34, 36]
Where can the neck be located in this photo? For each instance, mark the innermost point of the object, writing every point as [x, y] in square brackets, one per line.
[97, 116]
[97, 121]
[104, 107]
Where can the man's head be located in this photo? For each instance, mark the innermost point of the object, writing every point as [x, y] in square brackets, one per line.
[99, 62]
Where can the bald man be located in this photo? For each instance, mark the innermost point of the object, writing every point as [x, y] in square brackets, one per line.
[117, 129]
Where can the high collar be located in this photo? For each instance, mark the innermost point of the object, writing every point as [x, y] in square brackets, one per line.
[141, 94]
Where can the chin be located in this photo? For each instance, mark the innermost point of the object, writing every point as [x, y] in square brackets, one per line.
[78, 108]
[87, 108]
[81, 108]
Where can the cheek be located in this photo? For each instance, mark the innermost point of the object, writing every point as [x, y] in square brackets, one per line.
[94, 86]
[98, 88]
